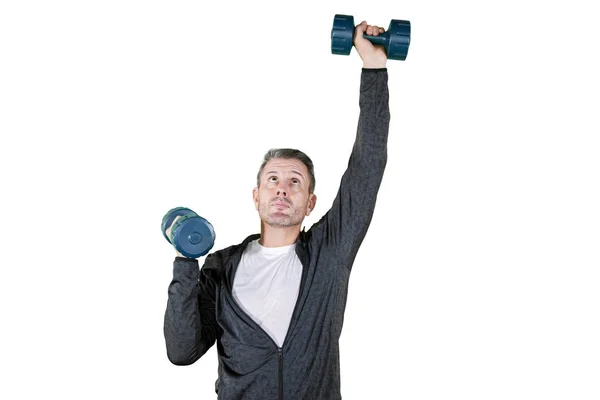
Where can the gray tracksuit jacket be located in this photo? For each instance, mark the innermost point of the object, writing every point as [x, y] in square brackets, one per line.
[201, 308]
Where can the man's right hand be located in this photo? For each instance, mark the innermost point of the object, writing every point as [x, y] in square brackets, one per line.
[168, 233]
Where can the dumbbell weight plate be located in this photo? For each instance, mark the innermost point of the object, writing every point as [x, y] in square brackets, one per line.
[399, 31]
[170, 217]
[193, 236]
[342, 34]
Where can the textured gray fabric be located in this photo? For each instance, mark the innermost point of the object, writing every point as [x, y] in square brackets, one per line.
[201, 308]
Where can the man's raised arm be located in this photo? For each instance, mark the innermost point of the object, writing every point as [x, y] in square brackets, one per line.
[344, 226]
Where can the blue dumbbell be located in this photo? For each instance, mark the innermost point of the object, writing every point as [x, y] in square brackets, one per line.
[192, 235]
[395, 40]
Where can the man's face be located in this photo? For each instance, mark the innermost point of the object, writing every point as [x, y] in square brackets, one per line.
[282, 198]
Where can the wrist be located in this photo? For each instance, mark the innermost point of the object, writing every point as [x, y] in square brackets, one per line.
[369, 65]
[374, 68]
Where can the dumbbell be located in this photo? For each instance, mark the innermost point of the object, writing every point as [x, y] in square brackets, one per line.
[192, 235]
[395, 40]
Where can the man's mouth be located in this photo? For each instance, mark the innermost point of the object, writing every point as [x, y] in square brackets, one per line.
[281, 202]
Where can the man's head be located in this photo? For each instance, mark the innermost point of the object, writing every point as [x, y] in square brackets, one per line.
[285, 185]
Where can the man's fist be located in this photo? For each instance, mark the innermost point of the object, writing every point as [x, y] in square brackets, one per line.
[372, 56]
[168, 233]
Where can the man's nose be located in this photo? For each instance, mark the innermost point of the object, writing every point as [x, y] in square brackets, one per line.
[281, 190]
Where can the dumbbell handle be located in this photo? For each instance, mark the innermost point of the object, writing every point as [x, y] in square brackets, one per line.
[380, 40]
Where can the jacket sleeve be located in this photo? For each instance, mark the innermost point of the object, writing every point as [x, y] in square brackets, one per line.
[343, 228]
[190, 326]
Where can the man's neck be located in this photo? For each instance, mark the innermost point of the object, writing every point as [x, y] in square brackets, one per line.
[278, 237]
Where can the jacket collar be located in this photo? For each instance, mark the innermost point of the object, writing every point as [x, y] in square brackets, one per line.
[233, 261]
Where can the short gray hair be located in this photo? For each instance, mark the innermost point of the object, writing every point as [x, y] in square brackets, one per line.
[289, 154]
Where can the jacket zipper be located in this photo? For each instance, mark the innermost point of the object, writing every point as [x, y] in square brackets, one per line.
[279, 349]
[280, 356]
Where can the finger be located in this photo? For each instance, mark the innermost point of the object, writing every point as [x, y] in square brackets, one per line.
[377, 30]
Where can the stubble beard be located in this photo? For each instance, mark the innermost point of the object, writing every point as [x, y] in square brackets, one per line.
[279, 219]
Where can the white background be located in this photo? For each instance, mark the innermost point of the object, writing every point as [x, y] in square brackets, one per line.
[478, 278]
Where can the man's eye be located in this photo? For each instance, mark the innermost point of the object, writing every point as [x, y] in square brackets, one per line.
[273, 179]
[295, 181]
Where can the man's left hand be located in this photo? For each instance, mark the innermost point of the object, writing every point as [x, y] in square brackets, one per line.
[372, 56]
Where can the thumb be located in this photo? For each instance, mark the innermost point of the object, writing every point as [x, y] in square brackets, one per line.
[360, 29]
[359, 41]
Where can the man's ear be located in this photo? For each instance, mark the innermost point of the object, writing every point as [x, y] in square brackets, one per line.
[255, 197]
[312, 202]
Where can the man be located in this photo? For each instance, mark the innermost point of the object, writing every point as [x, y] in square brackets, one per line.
[275, 303]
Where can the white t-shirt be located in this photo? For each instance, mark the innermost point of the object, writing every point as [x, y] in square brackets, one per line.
[266, 286]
